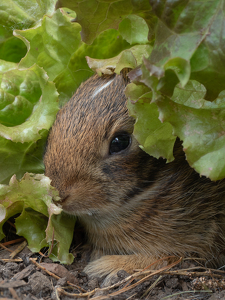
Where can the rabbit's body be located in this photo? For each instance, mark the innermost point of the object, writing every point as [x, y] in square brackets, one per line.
[132, 205]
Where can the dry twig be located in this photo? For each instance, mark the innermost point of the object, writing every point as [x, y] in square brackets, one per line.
[55, 276]
[13, 242]
[18, 249]
[124, 289]
[14, 294]
[190, 272]
[4, 247]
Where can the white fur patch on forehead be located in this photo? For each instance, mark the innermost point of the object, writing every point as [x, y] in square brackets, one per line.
[99, 89]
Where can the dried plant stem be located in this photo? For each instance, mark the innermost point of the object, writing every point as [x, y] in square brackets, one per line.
[55, 276]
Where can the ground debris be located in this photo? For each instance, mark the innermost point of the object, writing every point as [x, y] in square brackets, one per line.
[201, 283]
[184, 279]
[5, 284]
[40, 283]
[24, 273]
[60, 271]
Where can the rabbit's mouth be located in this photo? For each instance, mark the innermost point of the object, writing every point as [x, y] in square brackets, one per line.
[63, 203]
[62, 200]
[82, 206]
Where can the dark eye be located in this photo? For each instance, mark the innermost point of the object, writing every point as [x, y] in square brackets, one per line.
[119, 143]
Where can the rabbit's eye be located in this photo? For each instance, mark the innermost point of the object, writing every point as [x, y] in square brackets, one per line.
[119, 143]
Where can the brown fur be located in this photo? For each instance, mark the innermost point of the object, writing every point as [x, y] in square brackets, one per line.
[135, 208]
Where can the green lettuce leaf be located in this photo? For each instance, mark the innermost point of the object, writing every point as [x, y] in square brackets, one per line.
[28, 106]
[65, 62]
[134, 29]
[45, 46]
[108, 44]
[154, 137]
[188, 46]
[203, 141]
[41, 222]
[26, 94]
[130, 58]
[16, 14]
[194, 32]
[62, 227]
[11, 48]
[96, 16]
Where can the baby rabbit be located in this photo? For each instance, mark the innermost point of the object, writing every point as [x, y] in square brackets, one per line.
[135, 208]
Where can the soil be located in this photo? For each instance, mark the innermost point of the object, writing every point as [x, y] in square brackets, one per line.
[29, 276]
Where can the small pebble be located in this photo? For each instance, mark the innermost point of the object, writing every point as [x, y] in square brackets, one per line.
[122, 274]
[172, 282]
[93, 284]
[40, 283]
[82, 274]
[62, 281]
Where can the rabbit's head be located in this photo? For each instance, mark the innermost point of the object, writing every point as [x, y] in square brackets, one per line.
[92, 157]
